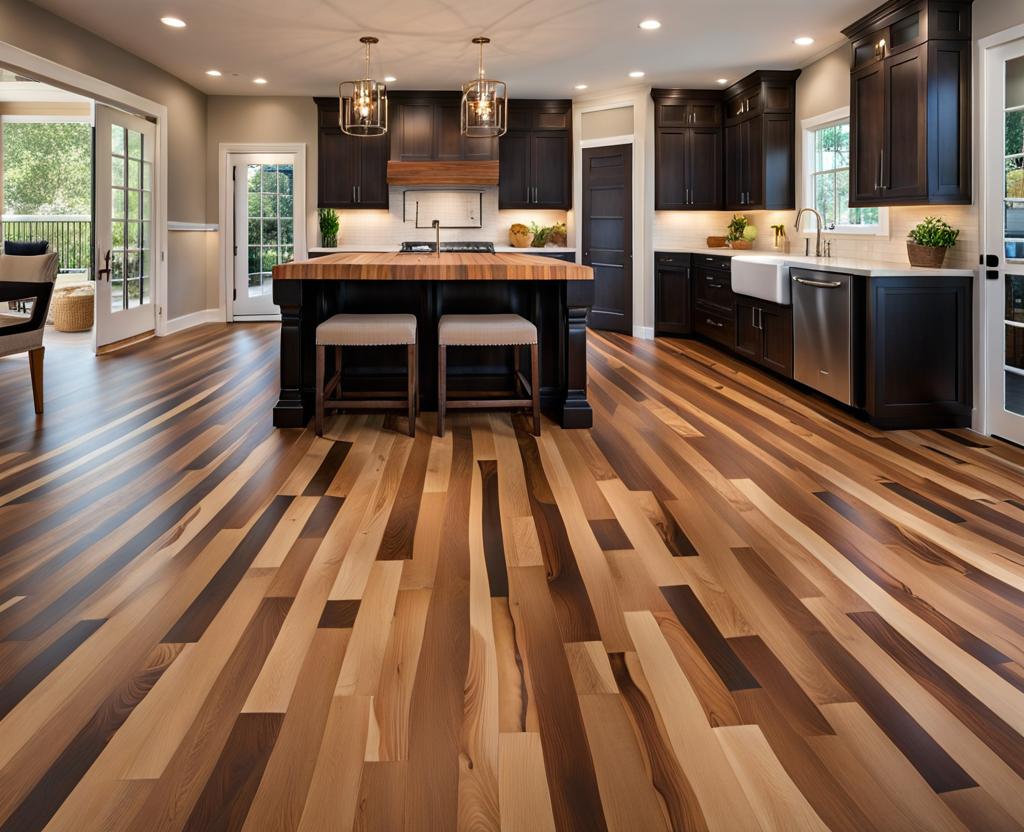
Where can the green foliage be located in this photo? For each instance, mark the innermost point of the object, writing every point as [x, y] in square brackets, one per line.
[329, 226]
[47, 168]
[736, 228]
[934, 232]
[540, 234]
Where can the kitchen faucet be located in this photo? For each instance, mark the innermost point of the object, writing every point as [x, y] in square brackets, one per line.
[436, 225]
[817, 223]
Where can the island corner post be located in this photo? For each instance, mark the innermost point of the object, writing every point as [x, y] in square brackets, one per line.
[554, 295]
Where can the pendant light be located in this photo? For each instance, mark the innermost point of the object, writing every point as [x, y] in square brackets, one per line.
[364, 103]
[484, 103]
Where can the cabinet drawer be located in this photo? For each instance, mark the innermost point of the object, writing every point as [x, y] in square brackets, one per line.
[713, 261]
[714, 289]
[679, 260]
[719, 328]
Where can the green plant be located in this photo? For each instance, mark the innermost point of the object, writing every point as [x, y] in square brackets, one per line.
[329, 226]
[540, 234]
[934, 232]
[736, 228]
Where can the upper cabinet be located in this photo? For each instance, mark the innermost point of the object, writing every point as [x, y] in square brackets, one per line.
[425, 127]
[760, 142]
[688, 150]
[352, 171]
[910, 104]
[536, 155]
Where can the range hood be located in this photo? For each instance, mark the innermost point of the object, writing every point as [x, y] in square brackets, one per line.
[443, 173]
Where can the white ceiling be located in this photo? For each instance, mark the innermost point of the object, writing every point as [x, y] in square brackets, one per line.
[540, 47]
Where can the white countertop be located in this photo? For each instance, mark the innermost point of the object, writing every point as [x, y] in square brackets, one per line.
[501, 249]
[860, 267]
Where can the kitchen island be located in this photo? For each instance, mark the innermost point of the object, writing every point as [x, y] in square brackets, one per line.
[554, 295]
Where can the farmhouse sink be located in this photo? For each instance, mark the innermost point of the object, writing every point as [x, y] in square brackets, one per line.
[761, 276]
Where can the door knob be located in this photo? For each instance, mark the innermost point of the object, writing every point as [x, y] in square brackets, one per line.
[106, 270]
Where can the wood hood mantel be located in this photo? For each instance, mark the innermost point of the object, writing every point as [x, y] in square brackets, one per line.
[443, 173]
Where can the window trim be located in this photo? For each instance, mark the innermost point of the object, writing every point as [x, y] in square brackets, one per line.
[808, 127]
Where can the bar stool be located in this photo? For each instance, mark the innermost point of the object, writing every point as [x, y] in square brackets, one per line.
[488, 331]
[364, 331]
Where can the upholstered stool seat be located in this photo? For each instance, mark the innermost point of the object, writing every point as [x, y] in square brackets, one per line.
[371, 330]
[502, 330]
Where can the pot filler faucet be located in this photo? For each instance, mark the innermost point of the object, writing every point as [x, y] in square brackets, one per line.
[436, 225]
[817, 227]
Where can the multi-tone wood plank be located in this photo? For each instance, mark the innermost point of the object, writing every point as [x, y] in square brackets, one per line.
[729, 606]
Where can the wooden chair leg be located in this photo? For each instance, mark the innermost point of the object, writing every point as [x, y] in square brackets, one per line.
[516, 369]
[411, 373]
[535, 386]
[318, 419]
[35, 368]
[442, 392]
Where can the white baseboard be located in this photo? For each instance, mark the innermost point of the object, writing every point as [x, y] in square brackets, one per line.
[203, 316]
[644, 333]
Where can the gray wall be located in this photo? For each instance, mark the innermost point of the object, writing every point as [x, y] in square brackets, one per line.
[34, 30]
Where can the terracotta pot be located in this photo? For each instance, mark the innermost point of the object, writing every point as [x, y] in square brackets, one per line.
[717, 242]
[929, 257]
[741, 244]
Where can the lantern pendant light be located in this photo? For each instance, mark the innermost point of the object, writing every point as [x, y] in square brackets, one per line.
[484, 110]
[364, 103]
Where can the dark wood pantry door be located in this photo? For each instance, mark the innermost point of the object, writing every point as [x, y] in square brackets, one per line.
[608, 234]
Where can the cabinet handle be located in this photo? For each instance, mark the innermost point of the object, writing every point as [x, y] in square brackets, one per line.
[359, 192]
[353, 194]
[714, 323]
[881, 172]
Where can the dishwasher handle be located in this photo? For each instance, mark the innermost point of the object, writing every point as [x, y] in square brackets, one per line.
[819, 284]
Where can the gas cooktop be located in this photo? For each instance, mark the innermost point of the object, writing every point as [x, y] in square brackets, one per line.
[455, 247]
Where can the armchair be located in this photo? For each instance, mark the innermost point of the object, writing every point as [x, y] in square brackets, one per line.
[28, 281]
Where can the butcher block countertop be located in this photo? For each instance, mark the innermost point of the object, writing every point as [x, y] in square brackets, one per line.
[363, 265]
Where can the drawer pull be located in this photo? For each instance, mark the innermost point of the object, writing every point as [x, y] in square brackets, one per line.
[714, 323]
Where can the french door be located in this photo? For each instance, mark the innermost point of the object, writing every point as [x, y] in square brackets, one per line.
[123, 204]
[267, 223]
[1004, 243]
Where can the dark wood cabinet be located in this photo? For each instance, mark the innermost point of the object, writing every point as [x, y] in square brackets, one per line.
[352, 171]
[425, 127]
[764, 334]
[672, 294]
[910, 104]
[536, 156]
[760, 142]
[688, 150]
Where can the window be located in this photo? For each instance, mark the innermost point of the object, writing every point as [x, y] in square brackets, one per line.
[827, 165]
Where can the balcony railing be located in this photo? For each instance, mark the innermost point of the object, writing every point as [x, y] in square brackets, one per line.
[69, 236]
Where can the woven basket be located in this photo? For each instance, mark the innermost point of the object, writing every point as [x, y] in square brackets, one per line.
[717, 242]
[929, 257]
[72, 308]
[520, 240]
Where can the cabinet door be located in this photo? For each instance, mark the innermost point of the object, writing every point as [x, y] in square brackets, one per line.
[773, 176]
[748, 336]
[905, 146]
[735, 183]
[479, 150]
[551, 157]
[447, 133]
[777, 339]
[673, 115]
[754, 163]
[514, 186]
[672, 301]
[372, 187]
[337, 175]
[867, 114]
[413, 140]
[705, 168]
[705, 114]
[670, 182]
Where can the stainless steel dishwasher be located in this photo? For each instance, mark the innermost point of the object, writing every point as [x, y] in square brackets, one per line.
[823, 350]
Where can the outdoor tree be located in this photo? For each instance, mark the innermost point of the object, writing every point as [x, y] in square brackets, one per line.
[47, 168]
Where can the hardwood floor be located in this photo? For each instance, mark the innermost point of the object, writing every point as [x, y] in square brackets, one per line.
[729, 606]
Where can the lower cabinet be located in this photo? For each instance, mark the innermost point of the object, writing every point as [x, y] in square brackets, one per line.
[718, 327]
[764, 333]
[672, 295]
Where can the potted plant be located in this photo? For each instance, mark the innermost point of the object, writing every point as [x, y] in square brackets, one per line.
[928, 242]
[329, 227]
[741, 234]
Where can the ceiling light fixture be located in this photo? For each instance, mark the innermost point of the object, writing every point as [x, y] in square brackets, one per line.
[213, 73]
[389, 79]
[803, 40]
[484, 110]
[259, 80]
[581, 86]
[650, 25]
[173, 22]
[364, 103]
[723, 80]
[636, 73]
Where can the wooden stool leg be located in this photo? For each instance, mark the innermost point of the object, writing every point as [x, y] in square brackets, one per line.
[411, 401]
[318, 419]
[442, 392]
[535, 386]
[35, 368]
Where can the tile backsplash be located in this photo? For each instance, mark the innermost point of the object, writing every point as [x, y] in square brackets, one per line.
[689, 229]
[387, 228]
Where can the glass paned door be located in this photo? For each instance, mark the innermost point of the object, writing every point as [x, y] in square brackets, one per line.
[265, 220]
[1005, 238]
[125, 150]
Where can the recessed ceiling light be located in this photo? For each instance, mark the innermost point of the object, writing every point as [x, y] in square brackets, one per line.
[259, 80]
[723, 80]
[803, 40]
[389, 79]
[173, 22]
[213, 73]
[581, 86]
[650, 24]
[636, 73]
